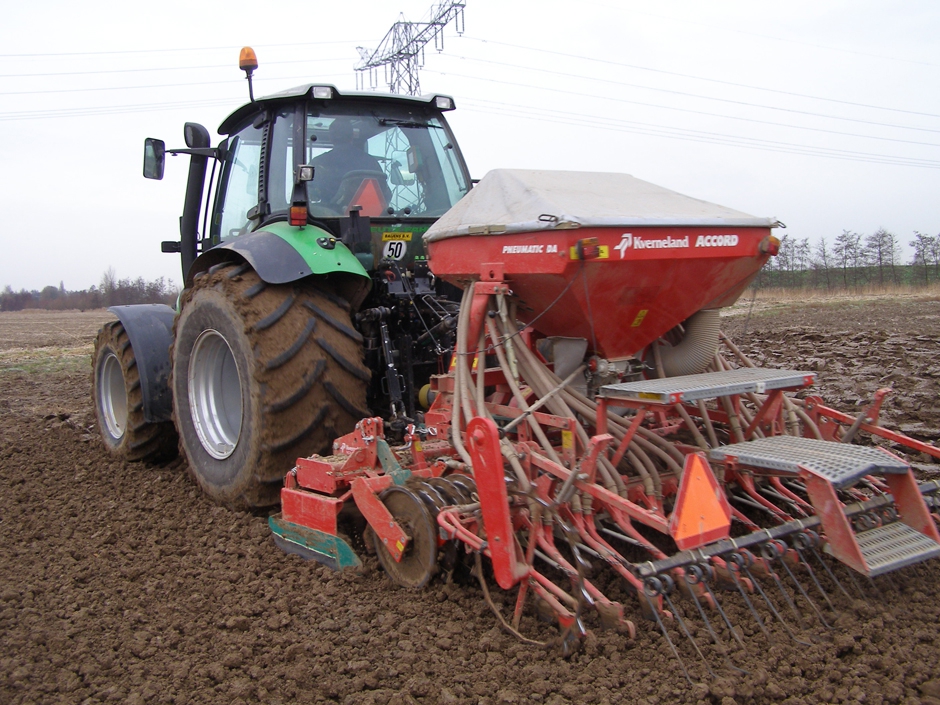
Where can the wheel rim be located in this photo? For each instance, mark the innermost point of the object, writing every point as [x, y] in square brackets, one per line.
[215, 395]
[112, 396]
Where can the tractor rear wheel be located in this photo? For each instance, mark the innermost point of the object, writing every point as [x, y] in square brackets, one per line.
[262, 374]
[119, 402]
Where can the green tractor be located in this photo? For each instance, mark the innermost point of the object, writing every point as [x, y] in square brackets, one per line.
[308, 303]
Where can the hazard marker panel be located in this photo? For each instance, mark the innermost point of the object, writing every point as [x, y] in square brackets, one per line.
[369, 196]
[702, 513]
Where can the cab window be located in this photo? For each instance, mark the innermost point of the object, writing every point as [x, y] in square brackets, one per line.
[238, 185]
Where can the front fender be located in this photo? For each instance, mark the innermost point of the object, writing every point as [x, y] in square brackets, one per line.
[282, 253]
[150, 329]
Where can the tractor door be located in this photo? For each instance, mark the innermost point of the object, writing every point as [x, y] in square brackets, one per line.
[237, 192]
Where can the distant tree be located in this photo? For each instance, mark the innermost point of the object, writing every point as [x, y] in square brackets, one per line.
[822, 261]
[112, 292]
[801, 259]
[108, 285]
[924, 246]
[845, 256]
[881, 252]
[935, 255]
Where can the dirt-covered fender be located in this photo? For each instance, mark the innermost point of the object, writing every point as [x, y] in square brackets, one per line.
[282, 253]
[150, 330]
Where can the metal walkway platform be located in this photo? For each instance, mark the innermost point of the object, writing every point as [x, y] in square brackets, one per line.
[675, 390]
[887, 548]
[839, 463]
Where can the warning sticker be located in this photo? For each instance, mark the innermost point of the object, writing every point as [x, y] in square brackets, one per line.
[567, 440]
[396, 237]
[639, 318]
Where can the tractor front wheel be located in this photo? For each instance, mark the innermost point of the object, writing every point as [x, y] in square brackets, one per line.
[119, 402]
[262, 374]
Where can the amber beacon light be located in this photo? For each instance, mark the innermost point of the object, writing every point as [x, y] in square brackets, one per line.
[248, 62]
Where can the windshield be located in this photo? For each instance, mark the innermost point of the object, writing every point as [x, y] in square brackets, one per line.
[397, 162]
[394, 162]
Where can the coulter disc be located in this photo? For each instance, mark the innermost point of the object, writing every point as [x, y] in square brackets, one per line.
[419, 561]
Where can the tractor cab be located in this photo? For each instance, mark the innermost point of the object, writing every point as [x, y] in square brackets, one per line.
[373, 170]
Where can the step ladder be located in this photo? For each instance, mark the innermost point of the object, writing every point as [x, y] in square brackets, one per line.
[826, 466]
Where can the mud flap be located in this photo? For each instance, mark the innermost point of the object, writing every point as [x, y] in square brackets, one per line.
[150, 330]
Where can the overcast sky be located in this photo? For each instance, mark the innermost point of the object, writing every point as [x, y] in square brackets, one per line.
[825, 115]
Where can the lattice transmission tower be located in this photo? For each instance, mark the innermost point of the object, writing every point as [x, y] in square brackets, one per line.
[401, 52]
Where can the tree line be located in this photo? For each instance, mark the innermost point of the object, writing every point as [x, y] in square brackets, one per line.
[853, 261]
[111, 291]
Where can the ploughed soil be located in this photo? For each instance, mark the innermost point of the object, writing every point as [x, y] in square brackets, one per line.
[119, 582]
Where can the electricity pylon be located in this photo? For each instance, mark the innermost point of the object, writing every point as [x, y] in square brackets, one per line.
[401, 52]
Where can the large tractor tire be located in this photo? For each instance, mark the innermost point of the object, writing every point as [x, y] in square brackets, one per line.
[119, 402]
[262, 374]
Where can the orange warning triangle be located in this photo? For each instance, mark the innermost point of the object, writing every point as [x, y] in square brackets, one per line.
[370, 197]
[702, 513]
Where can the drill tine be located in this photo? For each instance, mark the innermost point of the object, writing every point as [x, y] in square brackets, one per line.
[688, 634]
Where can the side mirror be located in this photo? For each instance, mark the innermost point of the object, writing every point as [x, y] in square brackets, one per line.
[154, 158]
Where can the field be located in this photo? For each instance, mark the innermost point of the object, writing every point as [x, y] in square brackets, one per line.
[121, 583]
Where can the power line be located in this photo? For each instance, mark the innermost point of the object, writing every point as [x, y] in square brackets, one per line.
[117, 109]
[725, 28]
[730, 117]
[167, 85]
[702, 78]
[682, 110]
[162, 68]
[160, 51]
[539, 114]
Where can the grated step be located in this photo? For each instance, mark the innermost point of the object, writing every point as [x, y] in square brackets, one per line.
[893, 546]
[841, 464]
[674, 390]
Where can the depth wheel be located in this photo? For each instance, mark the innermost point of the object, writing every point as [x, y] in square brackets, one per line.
[262, 374]
[119, 402]
[419, 562]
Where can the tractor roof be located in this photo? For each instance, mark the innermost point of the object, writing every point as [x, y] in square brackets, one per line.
[327, 92]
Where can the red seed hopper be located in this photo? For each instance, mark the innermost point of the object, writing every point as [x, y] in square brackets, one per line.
[605, 257]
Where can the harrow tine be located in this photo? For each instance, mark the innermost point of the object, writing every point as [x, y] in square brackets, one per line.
[858, 585]
[771, 551]
[803, 592]
[735, 562]
[829, 571]
[653, 587]
[687, 633]
[812, 574]
[698, 573]
[773, 609]
[721, 611]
